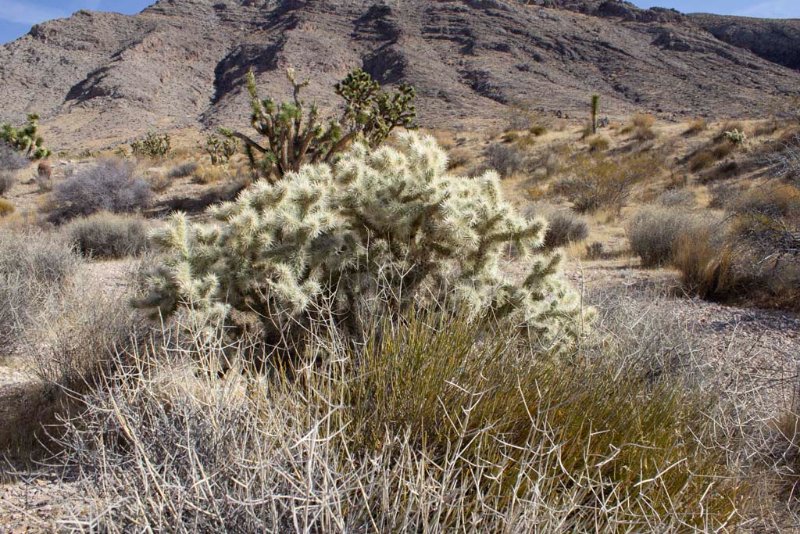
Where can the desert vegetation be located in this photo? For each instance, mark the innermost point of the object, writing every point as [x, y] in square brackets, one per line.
[343, 325]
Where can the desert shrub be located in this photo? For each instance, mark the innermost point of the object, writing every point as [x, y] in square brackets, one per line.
[704, 259]
[210, 174]
[110, 185]
[785, 160]
[381, 228]
[505, 159]
[448, 431]
[7, 181]
[696, 126]
[653, 233]
[677, 197]
[183, 170]
[33, 266]
[564, 226]
[294, 134]
[152, 145]
[538, 130]
[6, 207]
[599, 143]
[106, 235]
[11, 159]
[643, 127]
[701, 160]
[773, 199]
[600, 182]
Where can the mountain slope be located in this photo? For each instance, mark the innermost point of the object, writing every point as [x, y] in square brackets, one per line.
[104, 78]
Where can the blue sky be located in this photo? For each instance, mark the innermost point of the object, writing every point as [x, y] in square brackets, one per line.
[17, 16]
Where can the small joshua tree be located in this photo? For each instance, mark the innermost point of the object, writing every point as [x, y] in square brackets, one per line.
[595, 111]
[221, 149]
[294, 133]
[152, 145]
[26, 138]
[386, 221]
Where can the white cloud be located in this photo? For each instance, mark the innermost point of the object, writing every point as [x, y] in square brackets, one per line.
[25, 12]
[772, 9]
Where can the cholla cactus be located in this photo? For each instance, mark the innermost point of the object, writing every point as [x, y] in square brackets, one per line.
[294, 134]
[26, 138]
[595, 110]
[334, 236]
[736, 137]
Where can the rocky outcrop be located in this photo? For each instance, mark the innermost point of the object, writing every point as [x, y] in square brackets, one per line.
[181, 63]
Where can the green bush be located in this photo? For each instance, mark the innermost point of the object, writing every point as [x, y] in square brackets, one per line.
[381, 227]
[106, 235]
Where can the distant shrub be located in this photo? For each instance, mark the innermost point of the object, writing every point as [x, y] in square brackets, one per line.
[505, 159]
[601, 182]
[11, 159]
[643, 127]
[653, 233]
[538, 130]
[7, 181]
[152, 145]
[108, 235]
[677, 197]
[696, 126]
[774, 199]
[595, 250]
[44, 176]
[6, 207]
[110, 185]
[210, 174]
[183, 170]
[701, 160]
[564, 226]
[221, 149]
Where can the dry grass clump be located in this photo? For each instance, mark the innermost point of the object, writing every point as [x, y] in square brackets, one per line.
[432, 425]
[7, 181]
[599, 182]
[107, 235]
[6, 207]
[110, 185]
[598, 143]
[643, 127]
[696, 126]
[653, 233]
[210, 174]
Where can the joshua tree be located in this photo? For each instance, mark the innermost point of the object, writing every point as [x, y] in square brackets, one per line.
[294, 133]
[595, 110]
[26, 138]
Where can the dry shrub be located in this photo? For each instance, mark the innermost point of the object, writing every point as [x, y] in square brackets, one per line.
[505, 159]
[432, 425]
[654, 232]
[564, 226]
[6, 207]
[599, 143]
[459, 157]
[183, 170]
[210, 174]
[110, 185]
[701, 160]
[7, 181]
[774, 199]
[107, 235]
[677, 197]
[643, 127]
[696, 126]
[597, 182]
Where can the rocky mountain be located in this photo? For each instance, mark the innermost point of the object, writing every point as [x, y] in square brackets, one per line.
[100, 78]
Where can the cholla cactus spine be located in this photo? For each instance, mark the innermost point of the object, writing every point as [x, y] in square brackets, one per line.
[337, 233]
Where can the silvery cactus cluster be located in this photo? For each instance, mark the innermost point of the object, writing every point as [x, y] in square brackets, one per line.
[386, 224]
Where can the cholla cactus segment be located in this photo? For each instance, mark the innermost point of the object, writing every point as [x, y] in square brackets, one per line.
[334, 235]
[736, 137]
